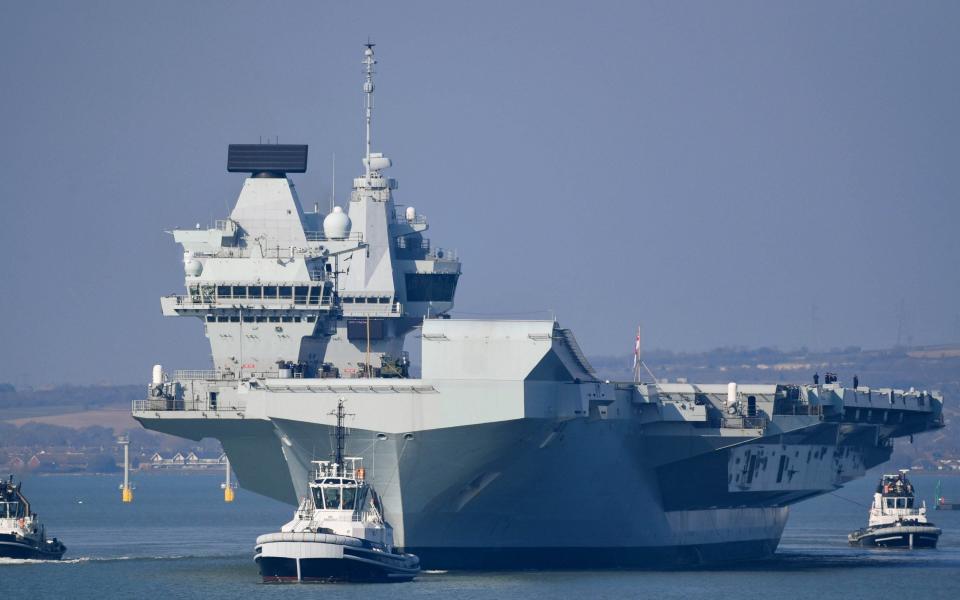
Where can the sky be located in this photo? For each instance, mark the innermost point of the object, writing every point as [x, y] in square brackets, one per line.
[724, 173]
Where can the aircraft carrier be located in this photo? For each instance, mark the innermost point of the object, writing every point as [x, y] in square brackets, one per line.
[508, 451]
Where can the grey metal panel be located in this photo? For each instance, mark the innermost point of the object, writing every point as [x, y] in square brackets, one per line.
[274, 158]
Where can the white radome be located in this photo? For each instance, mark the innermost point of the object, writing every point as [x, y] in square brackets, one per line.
[411, 213]
[337, 224]
[731, 393]
[377, 161]
[191, 266]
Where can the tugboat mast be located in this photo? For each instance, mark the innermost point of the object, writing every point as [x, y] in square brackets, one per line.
[340, 434]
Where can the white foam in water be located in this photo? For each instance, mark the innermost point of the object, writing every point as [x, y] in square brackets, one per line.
[82, 559]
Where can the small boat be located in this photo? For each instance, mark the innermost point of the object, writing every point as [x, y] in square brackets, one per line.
[895, 521]
[338, 532]
[21, 534]
[942, 503]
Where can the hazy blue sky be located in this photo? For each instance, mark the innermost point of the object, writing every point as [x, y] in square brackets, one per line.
[710, 169]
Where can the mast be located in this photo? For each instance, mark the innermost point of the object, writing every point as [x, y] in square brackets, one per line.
[340, 434]
[368, 62]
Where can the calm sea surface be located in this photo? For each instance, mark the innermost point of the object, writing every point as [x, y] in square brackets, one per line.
[180, 540]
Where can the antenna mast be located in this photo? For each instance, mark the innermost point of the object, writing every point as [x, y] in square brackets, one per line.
[368, 61]
[340, 434]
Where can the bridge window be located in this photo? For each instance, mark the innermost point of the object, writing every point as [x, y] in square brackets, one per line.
[211, 318]
[247, 319]
[426, 287]
[349, 497]
[286, 292]
[287, 319]
[235, 319]
[10, 510]
[274, 319]
[890, 502]
[331, 497]
[300, 294]
[901, 502]
[254, 292]
[239, 291]
[316, 292]
[222, 319]
[223, 291]
[270, 291]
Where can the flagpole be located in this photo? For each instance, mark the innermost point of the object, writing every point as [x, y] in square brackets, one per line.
[636, 358]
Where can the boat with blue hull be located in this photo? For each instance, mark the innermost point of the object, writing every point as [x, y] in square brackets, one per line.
[21, 534]
[895, 521]
[338, 532]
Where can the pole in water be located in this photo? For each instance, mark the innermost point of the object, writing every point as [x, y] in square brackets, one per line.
[228, 486]
[126, 489]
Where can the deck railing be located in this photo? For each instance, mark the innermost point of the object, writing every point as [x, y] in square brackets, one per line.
[204, 405]
[742, 422]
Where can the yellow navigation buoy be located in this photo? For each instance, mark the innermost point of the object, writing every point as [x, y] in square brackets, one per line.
[228, 486]
[126, 488]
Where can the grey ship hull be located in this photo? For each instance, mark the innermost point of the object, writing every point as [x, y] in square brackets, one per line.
[484, 474]
[488, 496]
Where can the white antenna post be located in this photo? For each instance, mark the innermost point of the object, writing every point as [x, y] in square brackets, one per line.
[368, 62]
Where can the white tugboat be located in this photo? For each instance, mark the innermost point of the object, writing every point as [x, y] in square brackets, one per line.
[21, 534]
[895, 521]
[338, 532]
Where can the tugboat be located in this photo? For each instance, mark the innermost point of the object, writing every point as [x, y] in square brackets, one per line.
[894, 520]
[21, 534]
[338, 532]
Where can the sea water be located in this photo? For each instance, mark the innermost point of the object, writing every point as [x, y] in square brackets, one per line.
[178, 539]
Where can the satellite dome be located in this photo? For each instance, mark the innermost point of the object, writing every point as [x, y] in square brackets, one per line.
[193, 268]
[336, 225]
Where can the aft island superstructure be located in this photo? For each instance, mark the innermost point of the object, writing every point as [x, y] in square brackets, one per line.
[508, 450]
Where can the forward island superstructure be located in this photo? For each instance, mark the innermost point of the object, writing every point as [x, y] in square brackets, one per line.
[508, 450]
